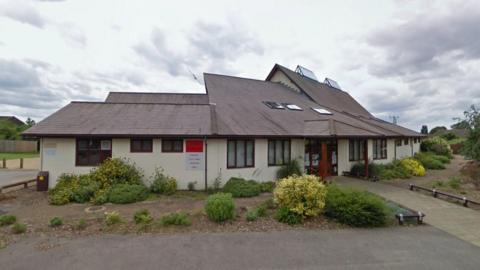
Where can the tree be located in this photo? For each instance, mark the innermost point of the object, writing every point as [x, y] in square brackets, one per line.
[30, 122]
[437, 129]
[471, 148]
[424, 129]
[461, 124]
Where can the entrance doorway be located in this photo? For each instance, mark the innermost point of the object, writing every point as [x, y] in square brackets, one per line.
[321, 157]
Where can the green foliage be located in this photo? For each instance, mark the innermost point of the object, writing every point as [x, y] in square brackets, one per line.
[267, 186]
[7, 220]
[127, 193]
[11, 131]
[19, 228]
[471, 147]
[436, 145]
[179, 218]
[355, 208]
[220, 207]
[142, 217]
[290, 168]
[240, 187]
[114, 171]
[393, 170]
[453, 183]
[437, 129]
[284, 215]
[431, 161]
[162, 183]
[81, 224]
[56, 221]
[191, 185]
[252, 215]
[112, 218]
[449, 136]
[261, 209]
[303, 195]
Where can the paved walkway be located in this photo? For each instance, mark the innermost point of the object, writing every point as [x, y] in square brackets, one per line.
[455, 219]
[422, 247]
[12, 176]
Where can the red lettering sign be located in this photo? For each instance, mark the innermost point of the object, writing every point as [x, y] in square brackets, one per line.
[195, 146]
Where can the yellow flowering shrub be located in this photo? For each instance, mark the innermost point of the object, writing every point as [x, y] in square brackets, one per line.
[413, 166]
[303, 195]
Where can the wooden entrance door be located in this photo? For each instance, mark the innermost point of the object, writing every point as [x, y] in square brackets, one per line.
[321, 157]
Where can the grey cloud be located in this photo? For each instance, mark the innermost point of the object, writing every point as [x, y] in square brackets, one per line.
[73, 34]
[24, 14]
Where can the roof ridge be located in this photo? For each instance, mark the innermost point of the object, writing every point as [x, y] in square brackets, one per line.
[140, 103]
[236, 77]
[154, 93]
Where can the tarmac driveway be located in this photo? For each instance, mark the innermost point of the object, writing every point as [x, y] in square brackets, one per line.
[11, 176]
[421, 247]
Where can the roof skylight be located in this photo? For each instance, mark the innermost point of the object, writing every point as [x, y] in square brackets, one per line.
[332, 83]
[306, 72]
[292, 107]
[322, 111]
[274, 105]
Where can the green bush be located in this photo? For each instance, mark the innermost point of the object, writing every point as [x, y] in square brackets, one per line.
[84, 189]
[436, 145]
[431, 161]
[252, 215]
[175, 219]
[100, 196]
[19, 228]
[112, 218]
[191, 185]
[127, 193]
[284, 215]
[56, 221]
[114, 171]
[220, 207]
[261, 209]
[240, 187]
[267, 186]
[355, 208]
[162, 183]
[7, 220]
[289, 169]
[142, 217]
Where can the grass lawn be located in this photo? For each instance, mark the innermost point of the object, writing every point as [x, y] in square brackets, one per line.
[18, 155]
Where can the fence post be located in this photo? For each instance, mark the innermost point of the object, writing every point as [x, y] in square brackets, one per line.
[4, 163]
[21, 163]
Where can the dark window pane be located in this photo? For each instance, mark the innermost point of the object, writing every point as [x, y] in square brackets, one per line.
[83, 144]
[147, 145]
[250, 157]
[231, 154]
[240, 154]
[136, 145]
[286, 151]
[178, 146]
[271, 152]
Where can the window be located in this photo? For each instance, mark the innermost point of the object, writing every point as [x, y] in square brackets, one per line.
[415, 140]
[322, 111]
[172, 146]
[356, 149]
[274, 105]
[278, 152]
[398, 142]
[92, 152]
[141, 145]
[380, 149]
[240, 153]
[405, 141]
[292, 107]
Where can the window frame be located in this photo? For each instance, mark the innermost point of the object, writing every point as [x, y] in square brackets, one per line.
[245, 151]
[104, 154]
[382, 143]
[172, 150]
[406, 141]
[361, 146]
[142, 141]
[285, 159]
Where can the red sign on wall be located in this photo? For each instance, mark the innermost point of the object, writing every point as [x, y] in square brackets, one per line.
[194, 146]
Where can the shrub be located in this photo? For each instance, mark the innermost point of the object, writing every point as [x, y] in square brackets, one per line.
[81, 224]
[162, 183]
[100, 196]
[114, 171]
[127, 193]
[175, 219]
[284, 215]
[355, 208]
[303, 195]
[252, 215]
[413, 166]
[289, 169]
[436, 145]
[393, 170]
[142, 217]
[19, 228]
[7, 220]
[267, 186]
[56, 221]
[430, 161]
[112, 218]
[83, 189]
[261, 209]
[191, 185]
[240, 187]
[220, 207]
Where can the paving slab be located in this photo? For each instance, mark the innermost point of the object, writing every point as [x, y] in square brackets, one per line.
[457, 220]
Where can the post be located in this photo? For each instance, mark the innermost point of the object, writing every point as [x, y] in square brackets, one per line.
[4, 163]
[365, 157]
[21, 163]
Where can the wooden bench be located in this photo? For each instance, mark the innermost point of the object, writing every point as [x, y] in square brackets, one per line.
[24, 183]
[412, 216]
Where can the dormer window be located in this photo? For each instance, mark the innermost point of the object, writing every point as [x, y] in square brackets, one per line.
[274, 105]
[322, 111]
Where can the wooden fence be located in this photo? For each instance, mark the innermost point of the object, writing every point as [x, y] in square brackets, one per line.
[10, 146]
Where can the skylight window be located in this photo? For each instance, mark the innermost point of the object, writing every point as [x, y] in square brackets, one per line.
[306, 72]
[292, 107]
[274, 105]
[332, 83]
[322, 111]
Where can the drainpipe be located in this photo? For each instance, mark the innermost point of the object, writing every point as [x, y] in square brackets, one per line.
[41, 154]
[395, 149]
[205, 158]
[411, 146]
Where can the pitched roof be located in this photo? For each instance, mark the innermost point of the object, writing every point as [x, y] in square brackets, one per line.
[124, 119]
[152, 97]
[12, 119]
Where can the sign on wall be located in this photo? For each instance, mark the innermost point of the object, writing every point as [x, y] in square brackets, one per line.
[194, 155]
[50, 149]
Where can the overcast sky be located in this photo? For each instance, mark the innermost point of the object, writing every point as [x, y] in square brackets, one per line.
[419, 60]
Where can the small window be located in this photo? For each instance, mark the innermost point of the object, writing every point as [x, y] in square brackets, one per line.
[240, 153]
[322, 111]
[405, 141]
[141, 145]
[278, 152]
[398, 142]
[380, 149]
[356, 150]
[172, 146]
[92, 152]
[274, 105]
[292, 107]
